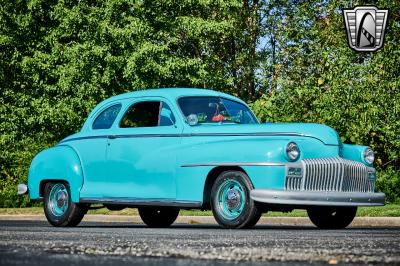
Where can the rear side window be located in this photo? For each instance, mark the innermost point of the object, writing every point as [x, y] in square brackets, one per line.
[143, 114]
[107, 117]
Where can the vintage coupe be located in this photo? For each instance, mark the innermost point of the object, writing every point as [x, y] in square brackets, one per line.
[163, 150]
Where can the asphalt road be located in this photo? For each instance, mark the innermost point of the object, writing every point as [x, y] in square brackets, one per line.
[37, 243]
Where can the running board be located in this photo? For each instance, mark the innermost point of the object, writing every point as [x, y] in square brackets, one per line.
[134, 202]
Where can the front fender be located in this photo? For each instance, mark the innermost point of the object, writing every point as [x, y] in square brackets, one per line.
[199, 155]
[354, 153]
[203, 150]
[57, 163]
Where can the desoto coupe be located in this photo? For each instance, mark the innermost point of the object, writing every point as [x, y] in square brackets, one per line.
[163, 150]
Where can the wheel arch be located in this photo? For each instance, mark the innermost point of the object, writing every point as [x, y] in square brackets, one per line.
[59, 163]
[212, 175]
[43, 183]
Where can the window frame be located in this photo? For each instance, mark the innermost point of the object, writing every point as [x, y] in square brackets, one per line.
[209, 96]
[160, 101]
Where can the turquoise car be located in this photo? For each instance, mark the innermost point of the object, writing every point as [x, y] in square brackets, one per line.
[163, 150]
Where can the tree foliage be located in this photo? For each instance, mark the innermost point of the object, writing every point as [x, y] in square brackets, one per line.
[290, 58]
[317, 78]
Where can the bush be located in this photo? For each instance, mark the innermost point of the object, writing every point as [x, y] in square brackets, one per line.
[388, 181]
[351, 126]
[9, 197]
[59, 58]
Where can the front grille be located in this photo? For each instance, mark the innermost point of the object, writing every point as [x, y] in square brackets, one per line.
[332, 174]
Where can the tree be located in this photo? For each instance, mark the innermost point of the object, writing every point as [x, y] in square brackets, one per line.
[320, 79]
[60, 58]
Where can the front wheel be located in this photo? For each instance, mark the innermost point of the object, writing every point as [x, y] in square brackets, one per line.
[231, 203]
[332, 217]
[160, 217]
[59, 208]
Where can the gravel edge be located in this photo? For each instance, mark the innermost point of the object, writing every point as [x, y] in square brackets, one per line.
[293, 221]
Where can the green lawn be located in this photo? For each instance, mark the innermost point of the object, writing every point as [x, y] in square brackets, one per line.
[389, 210]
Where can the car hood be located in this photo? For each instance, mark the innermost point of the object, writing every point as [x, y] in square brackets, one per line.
[325, 134]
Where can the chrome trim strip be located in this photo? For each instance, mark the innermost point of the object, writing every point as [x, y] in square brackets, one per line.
[262, 134]
[144, 202]
[235, 164]
[317, 198]
[256, 134]
[87, 137]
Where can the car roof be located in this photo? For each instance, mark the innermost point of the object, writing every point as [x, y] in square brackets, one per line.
[171, 93]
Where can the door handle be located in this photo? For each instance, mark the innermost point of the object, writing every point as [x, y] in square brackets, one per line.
[111, 136]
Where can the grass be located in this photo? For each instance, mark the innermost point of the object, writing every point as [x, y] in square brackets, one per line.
[389, 210]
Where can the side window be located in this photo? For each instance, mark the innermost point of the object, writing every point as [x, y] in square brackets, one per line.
[106, 118]
[166, 116]
[143, 114]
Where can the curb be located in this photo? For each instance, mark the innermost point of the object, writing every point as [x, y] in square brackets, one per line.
[209, 220]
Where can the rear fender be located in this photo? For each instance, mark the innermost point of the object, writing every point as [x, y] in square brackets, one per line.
[59, 163]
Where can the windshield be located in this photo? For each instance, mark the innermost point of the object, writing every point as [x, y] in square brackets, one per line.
[216, 110]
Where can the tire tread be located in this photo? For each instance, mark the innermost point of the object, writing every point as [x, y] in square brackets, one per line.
[72, 217]
[251, 213]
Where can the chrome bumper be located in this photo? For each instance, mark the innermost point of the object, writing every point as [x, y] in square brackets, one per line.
[317, 198]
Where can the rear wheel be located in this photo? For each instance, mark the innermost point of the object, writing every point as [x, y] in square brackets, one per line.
[332, 217]
[58, 206]
[231, 203]
[158, 216]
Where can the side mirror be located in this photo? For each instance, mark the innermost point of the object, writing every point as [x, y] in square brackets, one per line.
[192, 119]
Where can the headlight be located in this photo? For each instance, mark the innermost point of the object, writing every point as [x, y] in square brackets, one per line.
[292, 151]
[369, 156]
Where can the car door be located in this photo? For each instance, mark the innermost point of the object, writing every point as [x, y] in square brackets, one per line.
[141, 156]
[92, 151]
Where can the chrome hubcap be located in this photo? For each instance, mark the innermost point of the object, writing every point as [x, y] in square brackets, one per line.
[61, 198]
[232, 199]
[58, 200]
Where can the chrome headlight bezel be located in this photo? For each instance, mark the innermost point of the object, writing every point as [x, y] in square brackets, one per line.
[292, 151]
[369, 156]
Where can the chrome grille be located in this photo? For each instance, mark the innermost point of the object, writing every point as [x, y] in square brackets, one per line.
[332, 174]
[293, 183]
